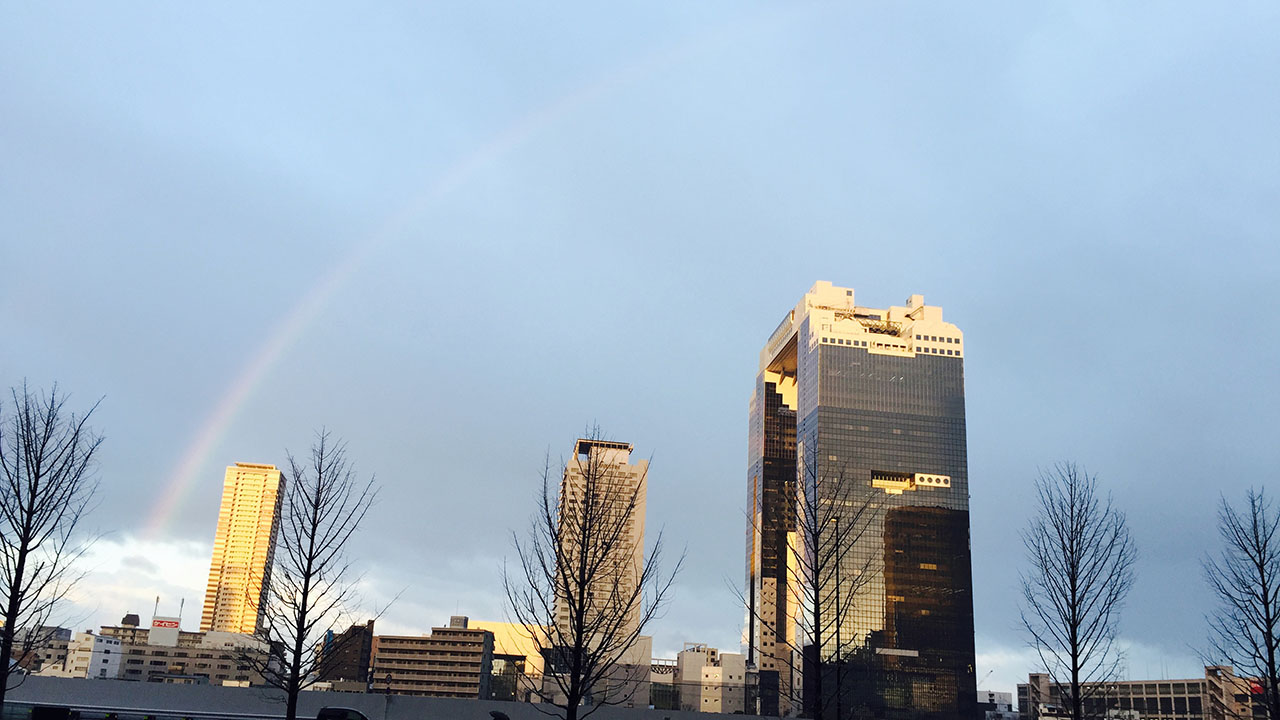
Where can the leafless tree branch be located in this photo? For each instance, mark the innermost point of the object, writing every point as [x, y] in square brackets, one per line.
[580, 585]
[311, 587]
[1080, 558]
[46, 487]
[1245, 579]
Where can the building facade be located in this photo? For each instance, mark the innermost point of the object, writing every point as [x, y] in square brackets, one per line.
[860, 412]
[600, 521]
[243, 549]
[159, 653]
[603, 490]
[454, 661]
[726, 687]
[345, 658]
[1219, 695]
[91, 656]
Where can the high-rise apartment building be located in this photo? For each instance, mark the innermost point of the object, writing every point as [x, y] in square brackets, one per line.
[601, 477]
[860, 411]
[601, 524]
[243, 549]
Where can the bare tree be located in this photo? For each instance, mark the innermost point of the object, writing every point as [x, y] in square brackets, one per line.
[584, 588]
[47, 485]
[1245, 577]
[312, 583]
[831, 516]
[1081, 559]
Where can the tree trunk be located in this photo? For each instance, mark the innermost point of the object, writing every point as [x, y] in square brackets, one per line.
[11, 618]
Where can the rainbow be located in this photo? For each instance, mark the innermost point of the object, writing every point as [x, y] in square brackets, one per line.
[182, 477]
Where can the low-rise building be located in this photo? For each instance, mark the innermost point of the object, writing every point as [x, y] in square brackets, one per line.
[42, 650]
[688, 674]
[220, 658]
[90, 656]
[517, 663]
[161, 653]
[996, 705]
[1219, 695]
[725, 686]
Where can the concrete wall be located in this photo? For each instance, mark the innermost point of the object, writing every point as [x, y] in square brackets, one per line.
[122, 695]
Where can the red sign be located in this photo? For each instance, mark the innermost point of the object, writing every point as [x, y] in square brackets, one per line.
[1255, 688]
[158, 623]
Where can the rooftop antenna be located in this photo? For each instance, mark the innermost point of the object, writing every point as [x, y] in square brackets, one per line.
[156, 609]
[182, 602]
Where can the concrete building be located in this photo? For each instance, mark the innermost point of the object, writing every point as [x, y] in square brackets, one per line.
[662, 684]
[602, 490]
[46, 649]
[706, 680]
[345, 658]
[602, 470]
[217, 658]
[1219, 695]
[452, 662]
[726, 687]
[164, 652]
[243, 549]
[90, 656]
[517, 663]
[688, 673]
[863, 408]
[161, 631]
[997, 705]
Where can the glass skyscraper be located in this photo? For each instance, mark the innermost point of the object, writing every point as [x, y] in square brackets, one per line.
[858, 415]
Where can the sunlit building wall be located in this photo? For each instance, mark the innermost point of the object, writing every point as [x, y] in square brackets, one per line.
[243, 549]
[870, 402]
[617, 482]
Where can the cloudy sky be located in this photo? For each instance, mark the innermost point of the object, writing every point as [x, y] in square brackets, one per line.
[457, 233]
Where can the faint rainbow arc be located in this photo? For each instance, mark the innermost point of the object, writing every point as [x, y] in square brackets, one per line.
[304, 312]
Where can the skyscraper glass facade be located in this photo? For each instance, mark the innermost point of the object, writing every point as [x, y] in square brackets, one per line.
[877, 398]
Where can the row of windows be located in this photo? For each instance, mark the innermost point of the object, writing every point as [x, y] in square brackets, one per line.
[935, 338]
[863, 343]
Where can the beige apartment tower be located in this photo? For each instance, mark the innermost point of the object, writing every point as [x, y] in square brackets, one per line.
[243, 549]
[603, 469]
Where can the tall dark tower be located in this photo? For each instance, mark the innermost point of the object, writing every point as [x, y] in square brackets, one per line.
[874, 398]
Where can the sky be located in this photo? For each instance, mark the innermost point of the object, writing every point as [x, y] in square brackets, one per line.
[457, 234]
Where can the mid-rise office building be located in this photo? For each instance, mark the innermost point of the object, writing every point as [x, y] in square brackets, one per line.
[243, 549]
[454, 661]
[860, 411]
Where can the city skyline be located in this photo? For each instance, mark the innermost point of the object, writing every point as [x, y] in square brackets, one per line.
[401, 223]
